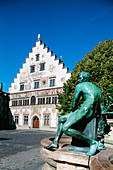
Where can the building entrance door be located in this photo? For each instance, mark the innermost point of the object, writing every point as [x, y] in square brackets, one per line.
[35, 122]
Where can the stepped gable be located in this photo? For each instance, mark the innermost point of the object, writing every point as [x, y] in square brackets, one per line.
[40, 56]
[33, 94]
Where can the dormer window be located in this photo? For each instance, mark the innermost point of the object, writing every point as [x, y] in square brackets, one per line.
[32, 69]
[37, 57]
[42, 66]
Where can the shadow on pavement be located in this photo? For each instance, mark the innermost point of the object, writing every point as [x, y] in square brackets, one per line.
[5, 138]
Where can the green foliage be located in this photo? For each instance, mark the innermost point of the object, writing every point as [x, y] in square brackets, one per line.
[99, 63]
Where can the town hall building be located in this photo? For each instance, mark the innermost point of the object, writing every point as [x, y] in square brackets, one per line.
[33, 94]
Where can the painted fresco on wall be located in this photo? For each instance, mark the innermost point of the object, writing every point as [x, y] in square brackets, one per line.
[44, 82]
[36, 93]
[26, 112]
[15, 87]
[37, 75]
[23, 76]
[51, 67]
[63, 79]
[28, 87]
[47, 111]
[43, 56]
[36, 110]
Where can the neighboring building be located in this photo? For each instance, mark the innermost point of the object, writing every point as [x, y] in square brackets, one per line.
[4, 109]
[33, 94]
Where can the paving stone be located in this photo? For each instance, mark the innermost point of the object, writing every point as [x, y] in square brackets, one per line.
[20, 149]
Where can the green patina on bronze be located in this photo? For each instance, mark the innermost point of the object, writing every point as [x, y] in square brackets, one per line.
[74, 123]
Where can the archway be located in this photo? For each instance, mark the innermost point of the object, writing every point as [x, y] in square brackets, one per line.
[35, 122]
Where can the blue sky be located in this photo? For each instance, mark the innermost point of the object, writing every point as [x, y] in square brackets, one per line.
[70, 28]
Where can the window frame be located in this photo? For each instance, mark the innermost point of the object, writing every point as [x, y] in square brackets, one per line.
[54, 100]
[21, 87]
[14, 102]
[25, 102]
[47, 119]
[41, 100]
[33, 101]
[37, 57]
[26, 119]
[42, 66]
[52, 82]
[35, 84]
[20, 103]
[48, 100]
[32, 69]
[16, 119]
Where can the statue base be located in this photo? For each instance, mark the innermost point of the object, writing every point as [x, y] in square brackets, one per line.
[78, 149]
[63, 159]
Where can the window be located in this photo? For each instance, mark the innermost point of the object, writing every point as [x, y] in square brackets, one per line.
[42, 66]
[38, 100]
[33, 100]
[54, 100]
[46, 119]
[37, 57]
[26, 102]
[36, 84]
[0, 99]
[48, 100]
[21, 87]
[16, 119]
[52, 82]
[14, 103]
[5, 108]
[20, 103]
[1, 107]
[25, 119]
[32, 69]
[41, 101]
[6, 101]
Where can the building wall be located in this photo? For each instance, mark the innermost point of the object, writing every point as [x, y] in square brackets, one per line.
[4, 110]
[33, 94]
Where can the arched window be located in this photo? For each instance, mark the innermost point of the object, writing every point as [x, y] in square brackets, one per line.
[33, 100]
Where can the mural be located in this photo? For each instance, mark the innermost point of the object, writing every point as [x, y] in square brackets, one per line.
[44, 82]
[51, 67]
[23, 76]
[43, 56]
[63, 79]
[36, 93]
[36, 110]
[27, 87]
[47, 111]
[34, 76]
[15, 87]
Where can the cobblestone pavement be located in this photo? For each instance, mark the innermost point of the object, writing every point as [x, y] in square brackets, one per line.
[20, 149]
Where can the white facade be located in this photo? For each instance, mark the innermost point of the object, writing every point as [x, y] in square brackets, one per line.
[33, 94]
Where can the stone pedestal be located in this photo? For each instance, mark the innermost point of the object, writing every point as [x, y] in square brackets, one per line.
[62, 159]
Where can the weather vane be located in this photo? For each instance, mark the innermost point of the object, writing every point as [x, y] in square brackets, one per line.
[38, 37]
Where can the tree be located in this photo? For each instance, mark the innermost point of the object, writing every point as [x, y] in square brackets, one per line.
[99, 63]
